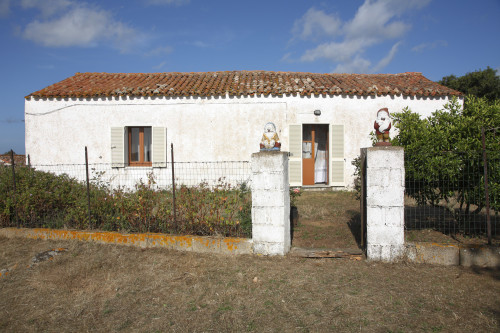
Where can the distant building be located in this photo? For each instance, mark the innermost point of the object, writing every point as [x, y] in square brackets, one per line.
[18, 159]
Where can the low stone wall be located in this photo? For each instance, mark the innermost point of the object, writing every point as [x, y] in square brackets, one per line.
[453, 254]
[200, 244]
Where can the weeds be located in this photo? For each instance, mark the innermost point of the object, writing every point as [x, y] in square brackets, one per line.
[43, 199]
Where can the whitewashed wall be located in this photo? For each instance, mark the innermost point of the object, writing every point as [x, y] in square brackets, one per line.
[201, 129]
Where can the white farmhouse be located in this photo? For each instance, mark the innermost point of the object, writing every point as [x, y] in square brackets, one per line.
[128, 121]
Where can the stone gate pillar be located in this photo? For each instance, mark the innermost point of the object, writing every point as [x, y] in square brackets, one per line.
[384, 200]
[270, 203]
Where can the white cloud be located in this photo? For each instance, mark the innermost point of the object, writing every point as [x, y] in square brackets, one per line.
[4, 8]
[200, 43]
[47, 7]
[168, 2]
[160, 51]
[336, 52]
[433, 45]
[376, 19]
[66, 23]
[387, 59]
[361, 65]
[288, 58]
[355, 65]
[160, 65]
[316, 22]
[375, 22]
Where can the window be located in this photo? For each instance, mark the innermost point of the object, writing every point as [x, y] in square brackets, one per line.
[139, 146]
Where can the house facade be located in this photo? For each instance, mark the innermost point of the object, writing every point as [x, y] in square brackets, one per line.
[128, 121]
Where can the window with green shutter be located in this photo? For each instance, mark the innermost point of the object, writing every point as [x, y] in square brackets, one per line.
[138, 146]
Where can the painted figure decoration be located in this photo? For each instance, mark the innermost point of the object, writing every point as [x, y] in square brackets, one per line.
[270, 139]
[382, 127]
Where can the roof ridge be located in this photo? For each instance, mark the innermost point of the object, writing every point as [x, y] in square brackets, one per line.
[241, 83]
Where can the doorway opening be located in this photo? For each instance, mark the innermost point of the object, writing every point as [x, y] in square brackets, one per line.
[314, 154]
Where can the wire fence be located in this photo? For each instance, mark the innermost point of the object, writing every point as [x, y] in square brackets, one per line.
[201, 198]
[233, 173]
[453, 192]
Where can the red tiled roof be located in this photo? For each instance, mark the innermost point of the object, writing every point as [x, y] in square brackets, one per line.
[18, 160]
[242, 83]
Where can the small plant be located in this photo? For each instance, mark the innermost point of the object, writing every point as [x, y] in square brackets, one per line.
[294, 194]
[357, 177]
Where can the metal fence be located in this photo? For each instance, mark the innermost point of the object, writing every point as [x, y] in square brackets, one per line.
[453, 192]
[233, 173]
[211, 197]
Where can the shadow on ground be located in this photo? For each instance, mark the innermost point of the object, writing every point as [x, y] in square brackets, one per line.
[354, 225]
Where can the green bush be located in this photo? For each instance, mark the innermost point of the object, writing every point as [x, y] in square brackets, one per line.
[43, 199]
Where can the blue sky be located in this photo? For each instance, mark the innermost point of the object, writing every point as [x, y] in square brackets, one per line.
[45, 41]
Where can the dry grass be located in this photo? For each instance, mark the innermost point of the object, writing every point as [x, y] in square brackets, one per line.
[116, 288]
[327, 220]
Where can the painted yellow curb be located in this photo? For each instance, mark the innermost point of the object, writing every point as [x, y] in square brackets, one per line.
[227, 245]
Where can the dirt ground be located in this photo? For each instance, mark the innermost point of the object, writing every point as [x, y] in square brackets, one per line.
[110, 288]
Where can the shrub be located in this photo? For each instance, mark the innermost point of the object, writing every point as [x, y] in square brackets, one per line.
[59, 201]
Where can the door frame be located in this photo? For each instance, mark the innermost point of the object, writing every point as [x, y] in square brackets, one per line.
[336, 154]
[309, 164]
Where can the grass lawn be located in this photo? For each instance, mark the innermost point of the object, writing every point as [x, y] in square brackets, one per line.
[110, 288]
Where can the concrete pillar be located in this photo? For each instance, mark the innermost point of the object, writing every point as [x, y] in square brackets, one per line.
[385, 183]
[270, 203]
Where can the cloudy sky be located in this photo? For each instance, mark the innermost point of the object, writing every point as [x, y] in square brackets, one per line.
[45, 41]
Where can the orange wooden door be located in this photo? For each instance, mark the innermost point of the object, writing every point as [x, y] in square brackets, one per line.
[307, 154]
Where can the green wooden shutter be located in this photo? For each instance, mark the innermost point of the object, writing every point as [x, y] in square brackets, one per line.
[295, 158]
[118, 147]
[159, 147]
[337, 162]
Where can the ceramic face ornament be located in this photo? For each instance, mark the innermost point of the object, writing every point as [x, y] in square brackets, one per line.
[382, 126]
[270, 139]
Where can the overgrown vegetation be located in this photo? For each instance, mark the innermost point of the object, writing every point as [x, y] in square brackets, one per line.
[43, 199]
[444, 165]
[444, 152]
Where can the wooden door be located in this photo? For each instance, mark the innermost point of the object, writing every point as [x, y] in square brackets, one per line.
[308, 154]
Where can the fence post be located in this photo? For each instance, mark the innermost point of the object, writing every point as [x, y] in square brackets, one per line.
[385, 181]
[173, 181]
[271, 233]
[14, 185]
[362, 197]
[88, 185]
[486, 192]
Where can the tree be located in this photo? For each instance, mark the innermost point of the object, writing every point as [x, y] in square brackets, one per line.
[444, 152]
[481, 83]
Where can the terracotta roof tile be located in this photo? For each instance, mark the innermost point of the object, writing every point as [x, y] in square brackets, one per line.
[242, 83]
